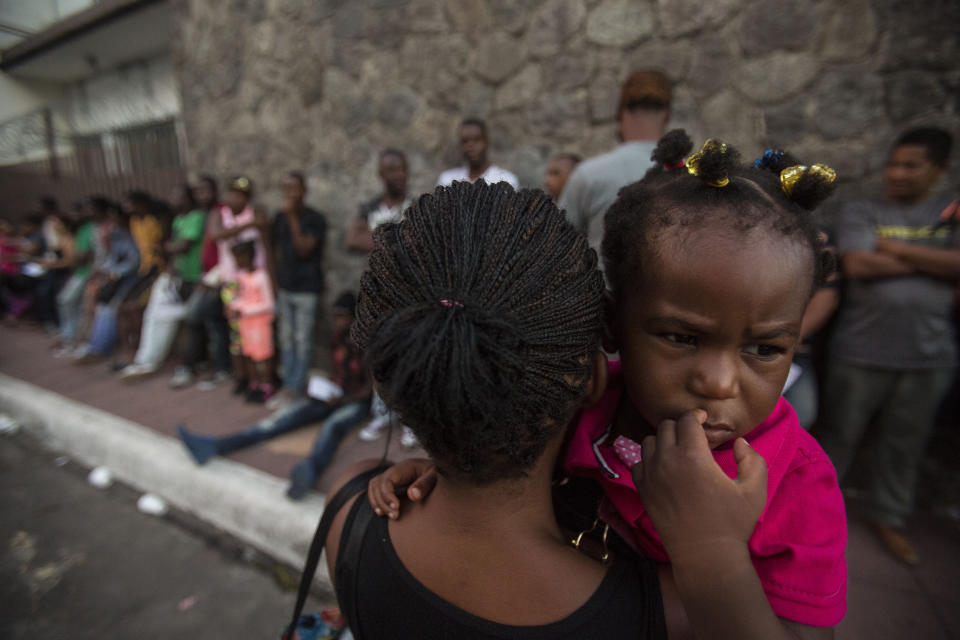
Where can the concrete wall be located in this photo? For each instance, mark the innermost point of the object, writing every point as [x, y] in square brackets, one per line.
[322, 85]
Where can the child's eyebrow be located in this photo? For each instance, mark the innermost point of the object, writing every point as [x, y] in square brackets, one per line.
[775, 332]
[688, 325]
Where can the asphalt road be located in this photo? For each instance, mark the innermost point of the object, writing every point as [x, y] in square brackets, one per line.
[78, 562]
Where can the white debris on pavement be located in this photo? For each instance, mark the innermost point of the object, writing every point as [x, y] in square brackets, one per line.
[100, 477]
[152, 504]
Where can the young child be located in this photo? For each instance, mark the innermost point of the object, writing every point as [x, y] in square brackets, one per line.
[252, 310]
[712, 265]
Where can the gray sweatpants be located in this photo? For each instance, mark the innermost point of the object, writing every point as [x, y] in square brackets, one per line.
[901, 405]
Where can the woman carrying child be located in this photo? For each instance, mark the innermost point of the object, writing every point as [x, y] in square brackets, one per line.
[482, 316]
[712, 264]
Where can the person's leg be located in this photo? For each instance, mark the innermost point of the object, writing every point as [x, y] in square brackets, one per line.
[305, 473]
[218, 331]
[44, 305]
[852, 397]
[104, 331]
[291, 417]
[903, 429]
[70, 307]
[286, 319]
[304, 308]
[161, 319]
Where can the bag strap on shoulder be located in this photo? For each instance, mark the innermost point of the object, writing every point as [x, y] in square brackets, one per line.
[356, 485]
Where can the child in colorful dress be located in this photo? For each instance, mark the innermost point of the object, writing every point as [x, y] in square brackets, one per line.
[252, 311]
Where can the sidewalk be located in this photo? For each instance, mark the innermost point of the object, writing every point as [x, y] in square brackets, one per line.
[98, 418]
[25, 354]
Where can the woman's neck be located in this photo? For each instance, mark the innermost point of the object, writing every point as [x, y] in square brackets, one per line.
[504, 509]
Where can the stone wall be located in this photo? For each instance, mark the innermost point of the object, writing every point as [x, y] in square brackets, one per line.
[322, 85]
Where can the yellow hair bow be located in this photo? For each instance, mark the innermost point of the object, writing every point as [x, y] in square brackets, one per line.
[790, 176]
[693, 162]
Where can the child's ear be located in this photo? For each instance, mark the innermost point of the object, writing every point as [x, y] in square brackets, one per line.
[598, 380]
[610, 343]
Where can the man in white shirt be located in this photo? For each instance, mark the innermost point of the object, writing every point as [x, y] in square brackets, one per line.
[642, 119]
[473, 146]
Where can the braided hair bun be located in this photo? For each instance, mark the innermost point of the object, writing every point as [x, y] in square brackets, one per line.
[480, 313]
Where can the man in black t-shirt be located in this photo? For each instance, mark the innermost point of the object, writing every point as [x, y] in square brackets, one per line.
[299, 236]
[387, 206]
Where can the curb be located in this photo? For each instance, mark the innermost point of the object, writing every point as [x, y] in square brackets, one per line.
[244, 502]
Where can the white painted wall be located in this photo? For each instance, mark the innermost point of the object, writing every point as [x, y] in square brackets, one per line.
[18, 96]
[135, 94]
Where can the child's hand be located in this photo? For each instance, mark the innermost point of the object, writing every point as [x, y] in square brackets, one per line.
[692, 502]
[419, 473]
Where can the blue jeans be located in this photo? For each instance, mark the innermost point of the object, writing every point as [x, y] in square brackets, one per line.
[294, 416]
[333, 431]
[103, 335]
[297, 319]
[70, 307]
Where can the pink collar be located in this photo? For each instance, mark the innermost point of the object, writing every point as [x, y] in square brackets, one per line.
[591, 451]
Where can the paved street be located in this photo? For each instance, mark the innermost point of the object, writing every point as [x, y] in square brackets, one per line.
[81, 563]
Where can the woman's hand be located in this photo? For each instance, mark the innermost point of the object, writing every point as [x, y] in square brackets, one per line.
[418, 475]
[692, 502]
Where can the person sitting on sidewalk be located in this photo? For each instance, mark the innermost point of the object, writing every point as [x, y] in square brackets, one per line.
[113, 282]
[166, 307]
[339, 414]
[70, 297]
[205, 326]
[149, 222]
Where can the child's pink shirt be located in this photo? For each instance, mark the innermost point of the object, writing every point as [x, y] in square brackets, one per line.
[255, 295]
[798, 545]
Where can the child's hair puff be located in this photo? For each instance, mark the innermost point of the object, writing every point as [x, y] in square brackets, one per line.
[714, 188]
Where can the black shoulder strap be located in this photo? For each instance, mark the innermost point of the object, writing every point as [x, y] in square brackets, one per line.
[333, 506]
[348, 561]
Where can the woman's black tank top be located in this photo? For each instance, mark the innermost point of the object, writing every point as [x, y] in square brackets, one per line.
[381, 599]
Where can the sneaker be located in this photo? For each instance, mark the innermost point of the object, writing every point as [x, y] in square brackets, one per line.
[136, 371]
[281, 399]
[201, 448]
[87, 356]
[118, 365]
[374, 429]
[214, 381]
[182, 378]
[896, 543]
[241, 386]
[64, 352]
[408, 439]
[256, 395]
[302, 479]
